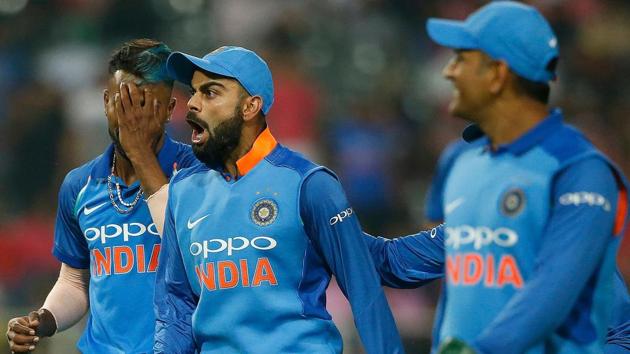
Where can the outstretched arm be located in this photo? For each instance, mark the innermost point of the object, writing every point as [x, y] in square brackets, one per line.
[409, 261]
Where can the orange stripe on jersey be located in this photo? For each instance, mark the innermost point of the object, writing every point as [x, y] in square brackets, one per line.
[263, 145]
[622, 210]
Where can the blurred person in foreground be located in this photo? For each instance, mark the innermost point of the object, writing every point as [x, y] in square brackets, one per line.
[534, 214]
[253, 235]
[105, 239]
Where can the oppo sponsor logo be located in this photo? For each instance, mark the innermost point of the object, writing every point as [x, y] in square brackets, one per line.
[588, 198]
[480, 236]
[231, 245]
[125, 231]
[341, 215]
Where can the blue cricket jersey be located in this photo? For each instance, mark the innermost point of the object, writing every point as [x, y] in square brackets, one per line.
[434, 201]
[530, 245]
[245, 263]
[121, 251]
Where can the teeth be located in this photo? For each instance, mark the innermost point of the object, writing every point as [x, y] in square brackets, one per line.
[196, 136]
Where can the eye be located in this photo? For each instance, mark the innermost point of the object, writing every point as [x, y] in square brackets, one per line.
[209, 93]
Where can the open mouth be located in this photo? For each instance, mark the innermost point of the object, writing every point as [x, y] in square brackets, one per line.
[198, 132]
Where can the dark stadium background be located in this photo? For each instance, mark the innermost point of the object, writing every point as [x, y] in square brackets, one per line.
[358, 88]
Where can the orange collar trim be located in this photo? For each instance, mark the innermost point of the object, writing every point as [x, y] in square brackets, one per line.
[263, 145]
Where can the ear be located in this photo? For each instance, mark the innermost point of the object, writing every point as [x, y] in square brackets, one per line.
[171, 107]
[500, 77]
[251, 107]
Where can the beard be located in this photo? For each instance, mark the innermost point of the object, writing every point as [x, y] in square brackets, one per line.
[222, 141]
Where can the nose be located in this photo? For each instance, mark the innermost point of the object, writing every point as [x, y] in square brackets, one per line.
[194, 103]
[448, 70]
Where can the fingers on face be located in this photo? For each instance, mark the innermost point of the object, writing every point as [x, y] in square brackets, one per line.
[134, 98]
[119, 110]
[126, 92]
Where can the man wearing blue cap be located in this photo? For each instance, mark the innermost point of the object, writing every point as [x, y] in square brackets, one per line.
[536, 212]
[252, 235]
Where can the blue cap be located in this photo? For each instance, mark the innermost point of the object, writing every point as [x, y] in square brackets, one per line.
[241, 64]
[505, 30]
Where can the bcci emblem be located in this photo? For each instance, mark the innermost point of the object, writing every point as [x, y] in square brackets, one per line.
[264, 212]
[513, 202]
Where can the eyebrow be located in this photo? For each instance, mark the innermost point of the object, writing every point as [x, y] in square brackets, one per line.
[207, 85]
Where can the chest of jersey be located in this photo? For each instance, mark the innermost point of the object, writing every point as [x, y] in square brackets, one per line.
[242, 235]
[118, 243]
[495, 208]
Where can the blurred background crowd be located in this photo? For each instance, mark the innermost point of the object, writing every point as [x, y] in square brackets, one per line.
[358, 88]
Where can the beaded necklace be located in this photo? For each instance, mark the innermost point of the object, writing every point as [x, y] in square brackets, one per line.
[128, 207]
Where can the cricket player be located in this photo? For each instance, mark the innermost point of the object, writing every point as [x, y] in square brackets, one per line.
[536, 211]
[253, 235]
[105, 239]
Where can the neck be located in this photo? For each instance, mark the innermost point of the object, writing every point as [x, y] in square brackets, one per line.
[249, 135]
[506, 122]
[123, 168]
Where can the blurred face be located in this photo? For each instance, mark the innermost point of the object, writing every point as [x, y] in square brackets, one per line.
[468, 70]
[216, 117]
[160, 91]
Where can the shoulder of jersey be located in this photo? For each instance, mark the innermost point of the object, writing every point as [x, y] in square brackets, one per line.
[188, 171]
[567, 143]
[185, 156]
[285, 157]
[78, 176]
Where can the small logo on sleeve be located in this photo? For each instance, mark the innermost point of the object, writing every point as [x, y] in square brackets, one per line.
[588, 198]
[341, 216]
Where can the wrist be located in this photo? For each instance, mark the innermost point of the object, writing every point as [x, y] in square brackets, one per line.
[47, 323]
[139, 155]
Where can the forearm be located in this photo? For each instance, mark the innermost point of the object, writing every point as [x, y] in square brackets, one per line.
[410, 261]
[157, 207]
[68, 300]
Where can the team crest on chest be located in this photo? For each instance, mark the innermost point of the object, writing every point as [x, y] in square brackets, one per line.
[264, 212]
[513, 202]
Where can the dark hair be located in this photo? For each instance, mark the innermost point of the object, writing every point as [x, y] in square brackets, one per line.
[533, 89]
[144, 58]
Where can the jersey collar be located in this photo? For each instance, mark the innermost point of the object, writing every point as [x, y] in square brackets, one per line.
[263, 145]
[523, 143]
[166, 157]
